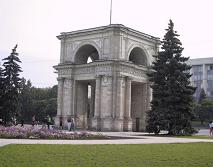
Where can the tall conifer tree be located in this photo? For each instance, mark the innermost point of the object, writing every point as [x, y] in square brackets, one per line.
[172, 93]
[1, 93]
[11, 81]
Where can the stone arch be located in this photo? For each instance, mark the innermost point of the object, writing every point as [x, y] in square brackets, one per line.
[86, 50]
[138, 55]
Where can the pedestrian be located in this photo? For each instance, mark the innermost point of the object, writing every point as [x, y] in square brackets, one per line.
[72, 124]
[14, 121]
[48, 121]
[61, 123]
[22, 122]
[69, 124]
[44, 122]
[33, 120]
[211, 128]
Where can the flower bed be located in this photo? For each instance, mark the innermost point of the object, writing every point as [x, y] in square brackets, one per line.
[33, 133]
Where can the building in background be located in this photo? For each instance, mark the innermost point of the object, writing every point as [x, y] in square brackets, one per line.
[202, 78]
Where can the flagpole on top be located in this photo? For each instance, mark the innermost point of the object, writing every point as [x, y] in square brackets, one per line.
[110, 13]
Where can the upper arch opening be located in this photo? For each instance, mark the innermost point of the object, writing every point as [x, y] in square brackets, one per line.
[137, 56]
[86, 54]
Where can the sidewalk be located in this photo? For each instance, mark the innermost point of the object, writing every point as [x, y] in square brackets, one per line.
[133, 138]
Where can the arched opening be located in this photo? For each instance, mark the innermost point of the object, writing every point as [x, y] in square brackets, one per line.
[137, 56]
[138, 106]
[85, 103]
[86, 54]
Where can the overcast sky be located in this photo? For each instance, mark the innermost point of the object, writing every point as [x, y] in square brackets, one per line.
[34, 24]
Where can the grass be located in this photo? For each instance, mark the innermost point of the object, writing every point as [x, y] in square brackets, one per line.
[155, 155]
[197, 137]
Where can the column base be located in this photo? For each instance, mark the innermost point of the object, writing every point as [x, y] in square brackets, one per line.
[118, 125]
[57, 120]
[96, 124]
[106, 124]
[127, 127]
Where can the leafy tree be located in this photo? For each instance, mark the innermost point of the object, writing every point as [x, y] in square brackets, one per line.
[204, 110]
[202, 96]
[25, 100]
[172, 93]
[11, 83]
[37, 101]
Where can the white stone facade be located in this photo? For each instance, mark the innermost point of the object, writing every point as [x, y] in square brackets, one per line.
[118, 85]
[202, 75]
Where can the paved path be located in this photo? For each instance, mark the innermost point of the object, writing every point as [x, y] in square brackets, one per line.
[133, 138]
[203, 132]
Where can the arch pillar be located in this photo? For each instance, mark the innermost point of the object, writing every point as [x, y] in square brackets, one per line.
[127, 114]
[67, 99]
[102, 119]
[120, 104]
[59, 101]
[106, 103]
[96, 118]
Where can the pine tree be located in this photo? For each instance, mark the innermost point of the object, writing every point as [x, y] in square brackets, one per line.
[11, 81]
[172, 94]
[1, 93]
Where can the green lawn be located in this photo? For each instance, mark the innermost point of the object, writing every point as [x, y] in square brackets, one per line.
[197, 137]
[155, 155]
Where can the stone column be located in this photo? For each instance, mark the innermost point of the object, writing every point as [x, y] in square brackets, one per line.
[97, 96]
[106, 103]
[92, 101]
[205, 78]
[91, 107]
[59, 101]
[67, 101]
[62, 51]
[120, 97]
[127, 114]
[149, 96]
[120, 104]
[96, 118]
[73, 101]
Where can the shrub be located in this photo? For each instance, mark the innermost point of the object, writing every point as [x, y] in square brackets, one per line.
[33, 133]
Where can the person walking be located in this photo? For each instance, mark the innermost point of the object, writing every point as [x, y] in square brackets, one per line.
[61, 123]
[33, 120]
[72, 124]
[211, 128]
[22, 122]
[48, 121]
[69, 124]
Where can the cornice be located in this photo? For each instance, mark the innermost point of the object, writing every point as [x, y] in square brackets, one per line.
[113, 28]
[102, 63]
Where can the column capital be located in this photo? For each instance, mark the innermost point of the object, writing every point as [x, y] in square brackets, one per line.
[121, 76]
[128, 78]
[97, 76]
[69, 78]
[60, 78]
[102, 75]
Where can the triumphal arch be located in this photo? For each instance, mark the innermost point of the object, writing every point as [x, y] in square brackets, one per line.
[102, 78]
